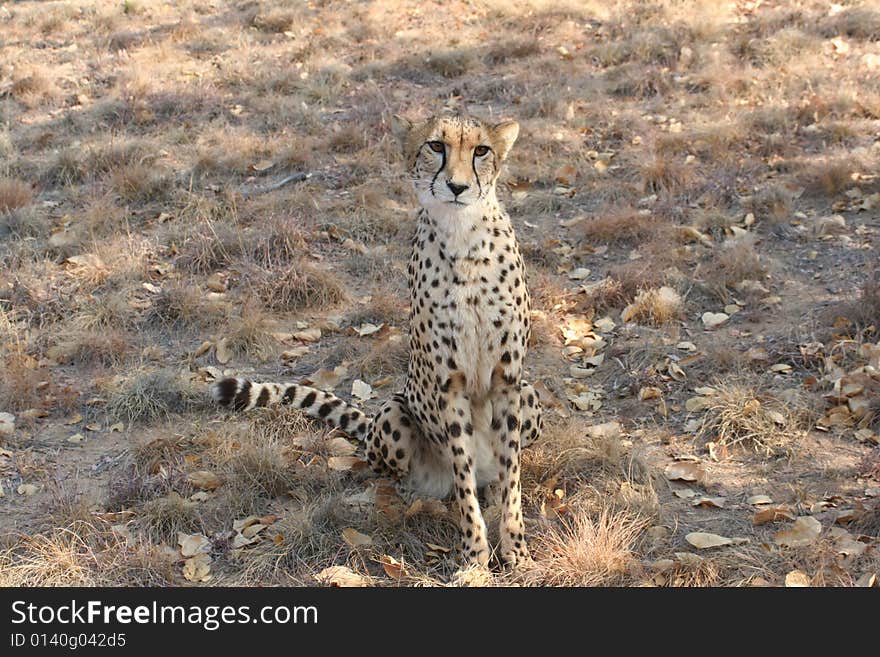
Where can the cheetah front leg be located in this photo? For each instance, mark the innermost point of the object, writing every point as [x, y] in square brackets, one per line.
[459, 431]
[506, 421]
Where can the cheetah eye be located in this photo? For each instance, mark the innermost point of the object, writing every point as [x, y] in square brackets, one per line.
[436, 146]
[481, 150]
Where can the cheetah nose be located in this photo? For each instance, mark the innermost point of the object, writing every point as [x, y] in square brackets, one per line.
[456, 189]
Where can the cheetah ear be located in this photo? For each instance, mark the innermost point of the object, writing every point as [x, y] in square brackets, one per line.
[400, 128]
[504, 134]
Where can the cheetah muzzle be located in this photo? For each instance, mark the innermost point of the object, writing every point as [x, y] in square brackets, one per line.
[465, 412]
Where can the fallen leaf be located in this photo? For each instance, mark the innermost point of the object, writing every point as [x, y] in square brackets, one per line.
[706, 501]
[7, 424]
[27, 489]
[650, 392]
[713, 320]
[204, 479]
[197, 568]
[117, 428]
[759, 499]
[345, 463]
[772, 514]
[697, 404]
[368, 329]
[222, 352]
[362, 390]
[393, 568]
[293, 354]
[354, 538]
[685, 471]
[76, 438]
[578, 274]
[341, 576]
[797, 578]
[703, 540]
[192, 544]
[308, 335]
[804, 531]
[327, 379]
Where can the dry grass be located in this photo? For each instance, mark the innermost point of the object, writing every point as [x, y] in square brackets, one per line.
[620, 225]
[756, 419]
[250, 332]
[137, 222]
[146, 396]
[588, 549]
[655, 306]
[14, 194]
[733, 263]
[299, 287]
[82, 555]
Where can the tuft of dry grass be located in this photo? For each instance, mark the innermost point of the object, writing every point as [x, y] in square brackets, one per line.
[386, 358]
[655, 306]
[83, 554]
[14, 194]
[107, 347]
[619, 225]
[587, 549]
[21, 383]
[140, 182]
[145, 396]
[249, 333]
[182, 304]
[739, 414]
[734, 263]
[163, 517]
[299, 287]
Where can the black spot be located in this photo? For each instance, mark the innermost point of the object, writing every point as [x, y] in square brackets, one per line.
[325, 410]
[308, 400]
[263, 398]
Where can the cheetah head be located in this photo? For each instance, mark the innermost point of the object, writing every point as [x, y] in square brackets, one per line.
[454, 161]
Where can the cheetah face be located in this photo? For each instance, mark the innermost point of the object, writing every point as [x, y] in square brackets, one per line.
[454, 161]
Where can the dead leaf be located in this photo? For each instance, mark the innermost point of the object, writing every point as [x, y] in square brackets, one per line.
[393, 568]
[118, 427]
[797, 578]
[204, 479]
[368, 329]
[354, 538]
[714, 320]
[772, 514]
[76, 438]
[697, 404]
[27, 489]
[706, 501]
[326, 379]
[339, 446]
[7, 424]
[222, 352]
[341, 576]
[192, 544]
[345, 463]
[197, 568]
[308, 335]
[650, 392]
[685, 471]
[703, 540]
[804, 531]
[362, 390]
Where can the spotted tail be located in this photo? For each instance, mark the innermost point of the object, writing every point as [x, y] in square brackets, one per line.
[242, 395]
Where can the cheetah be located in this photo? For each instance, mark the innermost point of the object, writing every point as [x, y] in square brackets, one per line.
[465, 411]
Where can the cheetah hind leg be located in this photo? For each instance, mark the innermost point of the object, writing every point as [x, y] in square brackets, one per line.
[390, 439]
[531, 418]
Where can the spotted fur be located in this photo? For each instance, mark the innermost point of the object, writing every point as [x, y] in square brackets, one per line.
[465, 412]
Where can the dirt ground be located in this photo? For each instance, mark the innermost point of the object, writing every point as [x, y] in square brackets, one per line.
[202, 188]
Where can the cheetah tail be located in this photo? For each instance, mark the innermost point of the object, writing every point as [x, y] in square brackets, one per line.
[243, 395]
